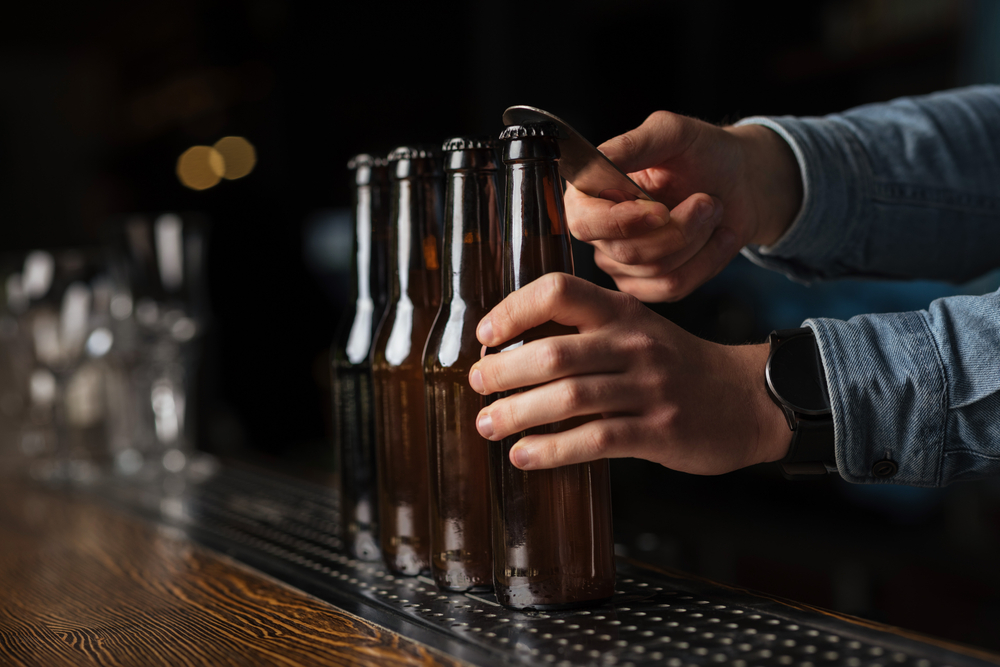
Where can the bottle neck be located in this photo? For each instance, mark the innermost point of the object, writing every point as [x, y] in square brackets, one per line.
[536, 236]
[471, 236]
[415, 215]
[361, 279]
[369, 270]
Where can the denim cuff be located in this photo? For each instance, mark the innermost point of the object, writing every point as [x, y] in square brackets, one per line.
[830, 162]
[888, 394]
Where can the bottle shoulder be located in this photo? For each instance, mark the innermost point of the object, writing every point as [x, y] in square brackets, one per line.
[402, 336]
[355, 334]
[452, 342]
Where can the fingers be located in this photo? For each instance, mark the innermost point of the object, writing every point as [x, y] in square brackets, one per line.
[598, 439]
[717, 252]
[554, 402]
[690, 227]
[661, 136]
[594, 219]
[556, 297]
[542, 361]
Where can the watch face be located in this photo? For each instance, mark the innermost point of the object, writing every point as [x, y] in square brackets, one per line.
[795, 375]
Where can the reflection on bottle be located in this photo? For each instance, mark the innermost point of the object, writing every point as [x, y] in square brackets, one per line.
[459, 472]
[398, 361]
[353, 394]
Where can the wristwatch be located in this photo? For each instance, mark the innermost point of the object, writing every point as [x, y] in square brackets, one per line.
[796, 382]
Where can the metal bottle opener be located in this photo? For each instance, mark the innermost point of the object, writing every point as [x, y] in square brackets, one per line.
[581, 163]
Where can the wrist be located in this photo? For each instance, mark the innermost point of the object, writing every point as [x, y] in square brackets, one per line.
[773, 179]
[773, 435]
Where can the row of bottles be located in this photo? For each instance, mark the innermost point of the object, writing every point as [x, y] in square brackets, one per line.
[420, 487]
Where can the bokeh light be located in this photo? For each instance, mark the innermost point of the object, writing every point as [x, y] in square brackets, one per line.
[200, 167]
[239, 156]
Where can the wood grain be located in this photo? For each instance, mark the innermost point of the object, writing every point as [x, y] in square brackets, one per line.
[82, 584]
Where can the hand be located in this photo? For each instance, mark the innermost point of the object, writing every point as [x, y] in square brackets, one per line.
[665, 395]
[717, 189]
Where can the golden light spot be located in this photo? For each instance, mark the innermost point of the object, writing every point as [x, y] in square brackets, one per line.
[431, 253]
[239, 155]
[200, 167]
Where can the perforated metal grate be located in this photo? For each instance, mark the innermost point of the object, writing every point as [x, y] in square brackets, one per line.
[288, 529]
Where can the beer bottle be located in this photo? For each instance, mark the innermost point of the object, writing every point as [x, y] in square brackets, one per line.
[461, 558]
[552, 539]
[401, 427]
[353, 396]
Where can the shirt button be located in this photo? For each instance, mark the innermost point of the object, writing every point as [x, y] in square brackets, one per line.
[885, 468]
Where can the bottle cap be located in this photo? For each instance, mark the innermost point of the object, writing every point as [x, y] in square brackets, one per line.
[542, 129]
[476, 153]
[411, 153]
[545, 144]
[365, 167]
[361, 160]
[467, 143]
[414, 161]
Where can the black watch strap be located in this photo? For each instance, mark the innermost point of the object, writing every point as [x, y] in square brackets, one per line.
[811, 453]
[796, 382]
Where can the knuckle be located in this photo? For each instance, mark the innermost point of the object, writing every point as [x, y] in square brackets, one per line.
[556, 289]
[625, 252]
[572, 397]
[672, 286]
[627, 144]
[552, 357]
[488, 372]
[504, 416]
[500, 316]
[659, 117]
[622, 145]
[599, 441]
[557, 452]
[684, 234]
[670, 420]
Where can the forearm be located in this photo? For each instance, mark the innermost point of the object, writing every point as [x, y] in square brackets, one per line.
[904, 189]
[920, 389]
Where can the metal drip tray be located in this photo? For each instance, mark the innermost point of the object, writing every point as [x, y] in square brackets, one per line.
[287, 529]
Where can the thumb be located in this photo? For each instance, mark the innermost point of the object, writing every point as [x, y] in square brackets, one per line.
[660, 137]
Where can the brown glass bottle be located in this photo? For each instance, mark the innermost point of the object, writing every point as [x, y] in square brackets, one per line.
[353, 396]
[401, 428]
[553, 546]
[461, 555]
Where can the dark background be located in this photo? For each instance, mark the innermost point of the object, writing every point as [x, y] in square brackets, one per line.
[97, 101]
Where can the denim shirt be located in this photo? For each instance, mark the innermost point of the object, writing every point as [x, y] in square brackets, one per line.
[906, 189]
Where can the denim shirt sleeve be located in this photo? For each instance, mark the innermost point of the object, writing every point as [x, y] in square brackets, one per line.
[921, 389]
[906, 189]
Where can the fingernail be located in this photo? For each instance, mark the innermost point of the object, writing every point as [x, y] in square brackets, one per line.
[653, 221]
[485, 331]
[485, 426]
[705, 211]
[520, 457]
[476, 381]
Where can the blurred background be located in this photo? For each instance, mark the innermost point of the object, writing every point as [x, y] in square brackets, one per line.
[99, 101]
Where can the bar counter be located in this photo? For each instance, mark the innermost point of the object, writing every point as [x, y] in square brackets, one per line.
[244, 568]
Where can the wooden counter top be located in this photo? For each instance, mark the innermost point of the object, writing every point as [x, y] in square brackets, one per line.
[85, 584]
